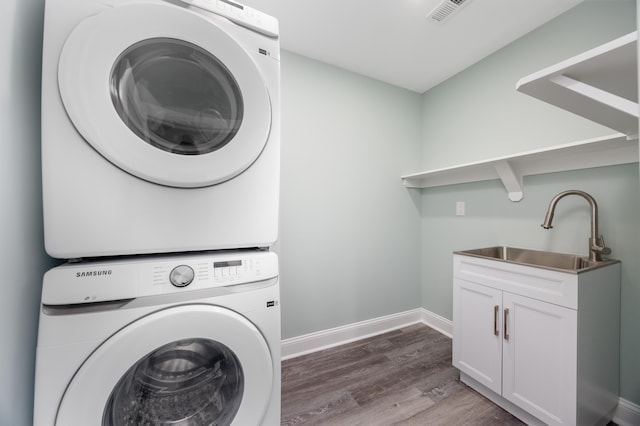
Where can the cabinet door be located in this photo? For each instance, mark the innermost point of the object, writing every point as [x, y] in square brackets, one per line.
[539, 358]
[477, 346]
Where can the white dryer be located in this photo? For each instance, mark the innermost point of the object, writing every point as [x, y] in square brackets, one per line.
[189, 340]
[160, 127]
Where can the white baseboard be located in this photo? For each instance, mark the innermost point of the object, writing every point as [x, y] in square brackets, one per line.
[627, 413]
[313, 342]
[324, 339]
[438, 323]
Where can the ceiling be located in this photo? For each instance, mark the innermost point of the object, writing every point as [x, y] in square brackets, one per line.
[393, 40]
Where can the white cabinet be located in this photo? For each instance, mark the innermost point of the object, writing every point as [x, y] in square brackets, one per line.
[539, 358]
[539, 342]
[518, 347]
[477, 341]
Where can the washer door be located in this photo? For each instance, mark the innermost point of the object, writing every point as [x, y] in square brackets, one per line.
[188, 365]
[165, 94]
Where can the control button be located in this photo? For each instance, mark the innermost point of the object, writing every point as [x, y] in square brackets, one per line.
[181, 276]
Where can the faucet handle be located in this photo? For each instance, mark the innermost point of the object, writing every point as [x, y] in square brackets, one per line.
[598, 245]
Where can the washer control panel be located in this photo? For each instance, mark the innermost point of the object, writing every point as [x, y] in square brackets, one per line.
[205, 272]
[149, 276]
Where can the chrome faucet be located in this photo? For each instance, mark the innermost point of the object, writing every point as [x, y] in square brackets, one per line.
[597, 247]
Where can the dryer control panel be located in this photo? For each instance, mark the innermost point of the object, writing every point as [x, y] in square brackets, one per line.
[240, 14]
[90, 282]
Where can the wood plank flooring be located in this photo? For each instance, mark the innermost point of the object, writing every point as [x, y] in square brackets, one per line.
[403, 377]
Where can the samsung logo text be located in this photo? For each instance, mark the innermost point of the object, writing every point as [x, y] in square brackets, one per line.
[95, 273]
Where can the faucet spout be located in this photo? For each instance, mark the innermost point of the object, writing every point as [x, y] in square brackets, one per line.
[597, 246]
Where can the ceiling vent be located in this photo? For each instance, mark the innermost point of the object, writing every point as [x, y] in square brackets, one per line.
[445, 10]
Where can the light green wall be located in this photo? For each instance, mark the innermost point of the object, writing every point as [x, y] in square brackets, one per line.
[349, 242]
[22, 257]
[476, 115]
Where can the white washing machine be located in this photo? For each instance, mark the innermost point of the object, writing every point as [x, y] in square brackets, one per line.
[160, 127]
[164, 340]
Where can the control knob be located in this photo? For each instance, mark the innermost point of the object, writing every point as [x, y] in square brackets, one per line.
[181, 276]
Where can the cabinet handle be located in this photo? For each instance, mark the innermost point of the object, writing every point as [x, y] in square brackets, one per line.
[506, 321]
[496, 308]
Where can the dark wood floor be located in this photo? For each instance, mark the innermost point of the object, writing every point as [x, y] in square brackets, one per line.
[403, 377]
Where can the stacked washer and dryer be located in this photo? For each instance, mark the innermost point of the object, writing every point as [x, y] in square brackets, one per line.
[160, 157]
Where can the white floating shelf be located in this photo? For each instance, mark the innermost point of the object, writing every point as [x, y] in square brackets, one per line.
[597, 152]
[600, 84]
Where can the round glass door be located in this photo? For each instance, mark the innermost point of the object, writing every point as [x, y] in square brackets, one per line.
[187, 365]
[188, 382]
[165, 94]
[176, 97]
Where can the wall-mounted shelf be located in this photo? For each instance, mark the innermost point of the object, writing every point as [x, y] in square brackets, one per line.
[600, 84]
[597, 152]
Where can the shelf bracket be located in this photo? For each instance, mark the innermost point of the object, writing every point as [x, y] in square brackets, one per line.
[511, 180]
[598, 95]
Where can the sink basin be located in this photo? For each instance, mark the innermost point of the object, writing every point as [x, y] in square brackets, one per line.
[542, 259]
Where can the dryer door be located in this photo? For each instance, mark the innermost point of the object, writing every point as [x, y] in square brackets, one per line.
[188, 365]
[165, 94]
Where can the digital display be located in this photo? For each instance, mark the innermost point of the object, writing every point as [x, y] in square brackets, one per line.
[227, 263]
